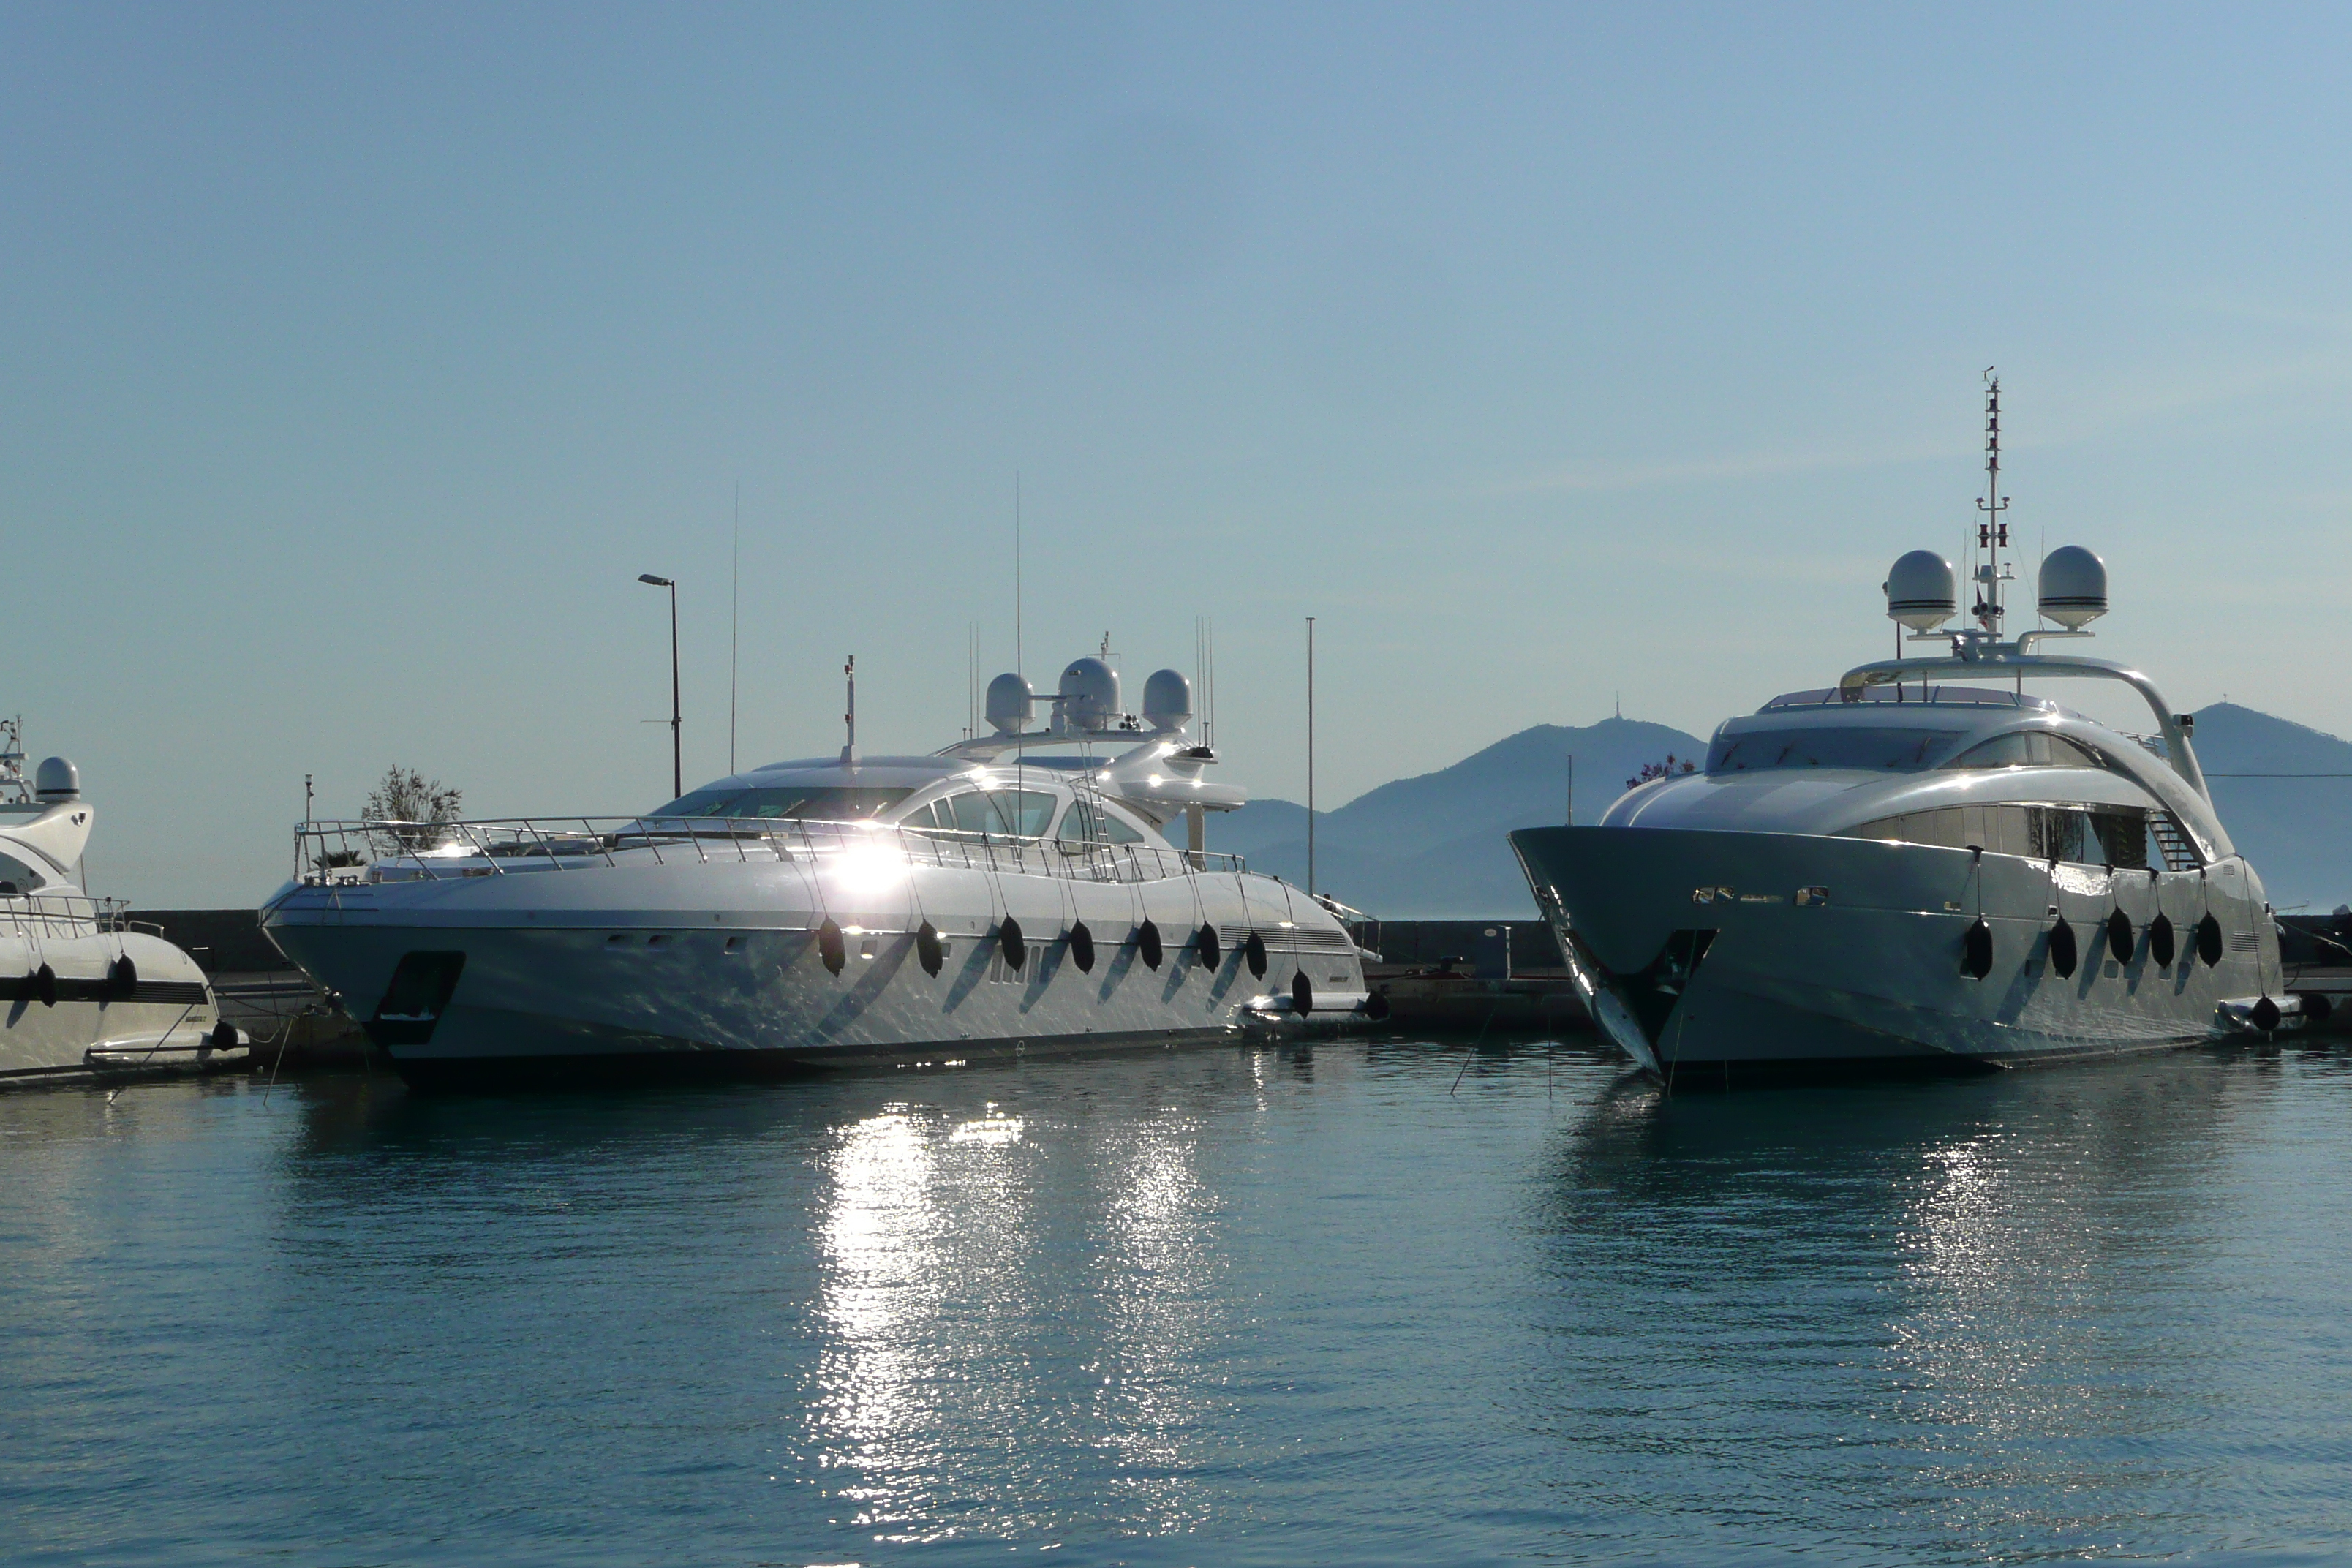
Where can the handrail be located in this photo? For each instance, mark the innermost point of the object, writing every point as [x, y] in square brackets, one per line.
[66, 914]
[374, 850]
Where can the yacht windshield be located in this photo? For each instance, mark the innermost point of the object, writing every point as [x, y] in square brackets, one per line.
[1843, 746]
[828, 803]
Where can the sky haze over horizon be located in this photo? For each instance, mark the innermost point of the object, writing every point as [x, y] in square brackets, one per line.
[362, 358]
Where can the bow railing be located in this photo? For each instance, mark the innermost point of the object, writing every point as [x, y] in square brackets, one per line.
[348, 853]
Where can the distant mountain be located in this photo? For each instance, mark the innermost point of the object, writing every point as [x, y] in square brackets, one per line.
[1434, 847]
[2296, 831]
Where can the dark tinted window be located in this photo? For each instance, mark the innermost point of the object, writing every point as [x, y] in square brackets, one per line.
[971, 812]
[824, 803]
[1030, 811]
[1844, 746]
[1005, 812]
[2027, 748]
[1082, 823]
[2127, 836]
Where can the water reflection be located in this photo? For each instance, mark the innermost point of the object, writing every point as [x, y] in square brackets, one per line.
[886, 1274]
[1008, 1299]
[1963, 1312]
[1395, 1303]
[1158, 1271]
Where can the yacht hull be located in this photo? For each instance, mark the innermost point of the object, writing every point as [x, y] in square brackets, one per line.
[1725, 953]
[721, 971]
[79, 1025]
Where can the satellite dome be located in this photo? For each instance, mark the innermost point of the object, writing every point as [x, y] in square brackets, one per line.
[2073, 586]
[1089, 696]
[1920, 592]
[57, 779]
[1167, 700]
[1009, 702]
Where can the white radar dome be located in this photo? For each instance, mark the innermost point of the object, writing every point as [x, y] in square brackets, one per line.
[57, 779]
[1920, 592]
[1010, 700]
[2073, 586]
[1166, 699]
[1089, 696]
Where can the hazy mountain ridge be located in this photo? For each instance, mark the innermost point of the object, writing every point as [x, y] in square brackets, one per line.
[2296, 831]
[1433, 846]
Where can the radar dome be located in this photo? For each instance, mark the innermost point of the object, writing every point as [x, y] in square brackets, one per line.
[57, 779]
[1009, 703]
[1920, 593]
[1089, 696]
[2073, 586]
[1166, 699]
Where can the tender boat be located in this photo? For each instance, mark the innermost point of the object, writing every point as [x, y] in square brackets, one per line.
[1011, 894]
[1923, 865]
[87, 995]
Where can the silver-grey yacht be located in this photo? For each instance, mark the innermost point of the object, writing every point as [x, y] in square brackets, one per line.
[1923, 865]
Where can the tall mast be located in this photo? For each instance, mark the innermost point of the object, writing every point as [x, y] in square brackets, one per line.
[849, 750]
[1992, 526]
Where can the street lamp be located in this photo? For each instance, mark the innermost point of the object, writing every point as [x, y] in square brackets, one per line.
[677, 757]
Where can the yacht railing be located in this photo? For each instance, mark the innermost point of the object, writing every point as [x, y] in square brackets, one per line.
[349, 854]
[62, 914]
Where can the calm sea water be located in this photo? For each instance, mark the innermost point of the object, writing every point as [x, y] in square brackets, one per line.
[1217, 1306]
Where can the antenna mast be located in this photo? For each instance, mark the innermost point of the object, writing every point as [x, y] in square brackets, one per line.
[1992, 526]
[849, 752]
[1019, 665]
[734, 618]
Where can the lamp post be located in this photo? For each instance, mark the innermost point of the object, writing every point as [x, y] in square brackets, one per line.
[677, 757]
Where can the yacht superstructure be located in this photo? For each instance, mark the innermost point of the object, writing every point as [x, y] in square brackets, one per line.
[85, 993]
[1010, 894]
[1923, 865]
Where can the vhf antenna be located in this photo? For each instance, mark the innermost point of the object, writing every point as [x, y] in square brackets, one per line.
[1992, 528]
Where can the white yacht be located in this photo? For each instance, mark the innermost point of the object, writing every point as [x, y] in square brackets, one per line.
[1011, 894]
[1923, 865]
[86, 996]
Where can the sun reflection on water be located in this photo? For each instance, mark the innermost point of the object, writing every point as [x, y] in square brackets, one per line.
[2017, 1269]
[973, 1273]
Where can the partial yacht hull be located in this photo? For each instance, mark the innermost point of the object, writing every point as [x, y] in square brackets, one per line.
[70, 1010]
[1724, 953]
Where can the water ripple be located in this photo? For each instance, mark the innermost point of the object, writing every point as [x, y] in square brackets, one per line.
[1244, 1307]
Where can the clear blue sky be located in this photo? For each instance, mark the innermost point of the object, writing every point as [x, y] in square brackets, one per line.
[359, 359]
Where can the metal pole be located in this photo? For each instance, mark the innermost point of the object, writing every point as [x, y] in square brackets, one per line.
[734, 619]
[1310, 756]
[677, 751]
